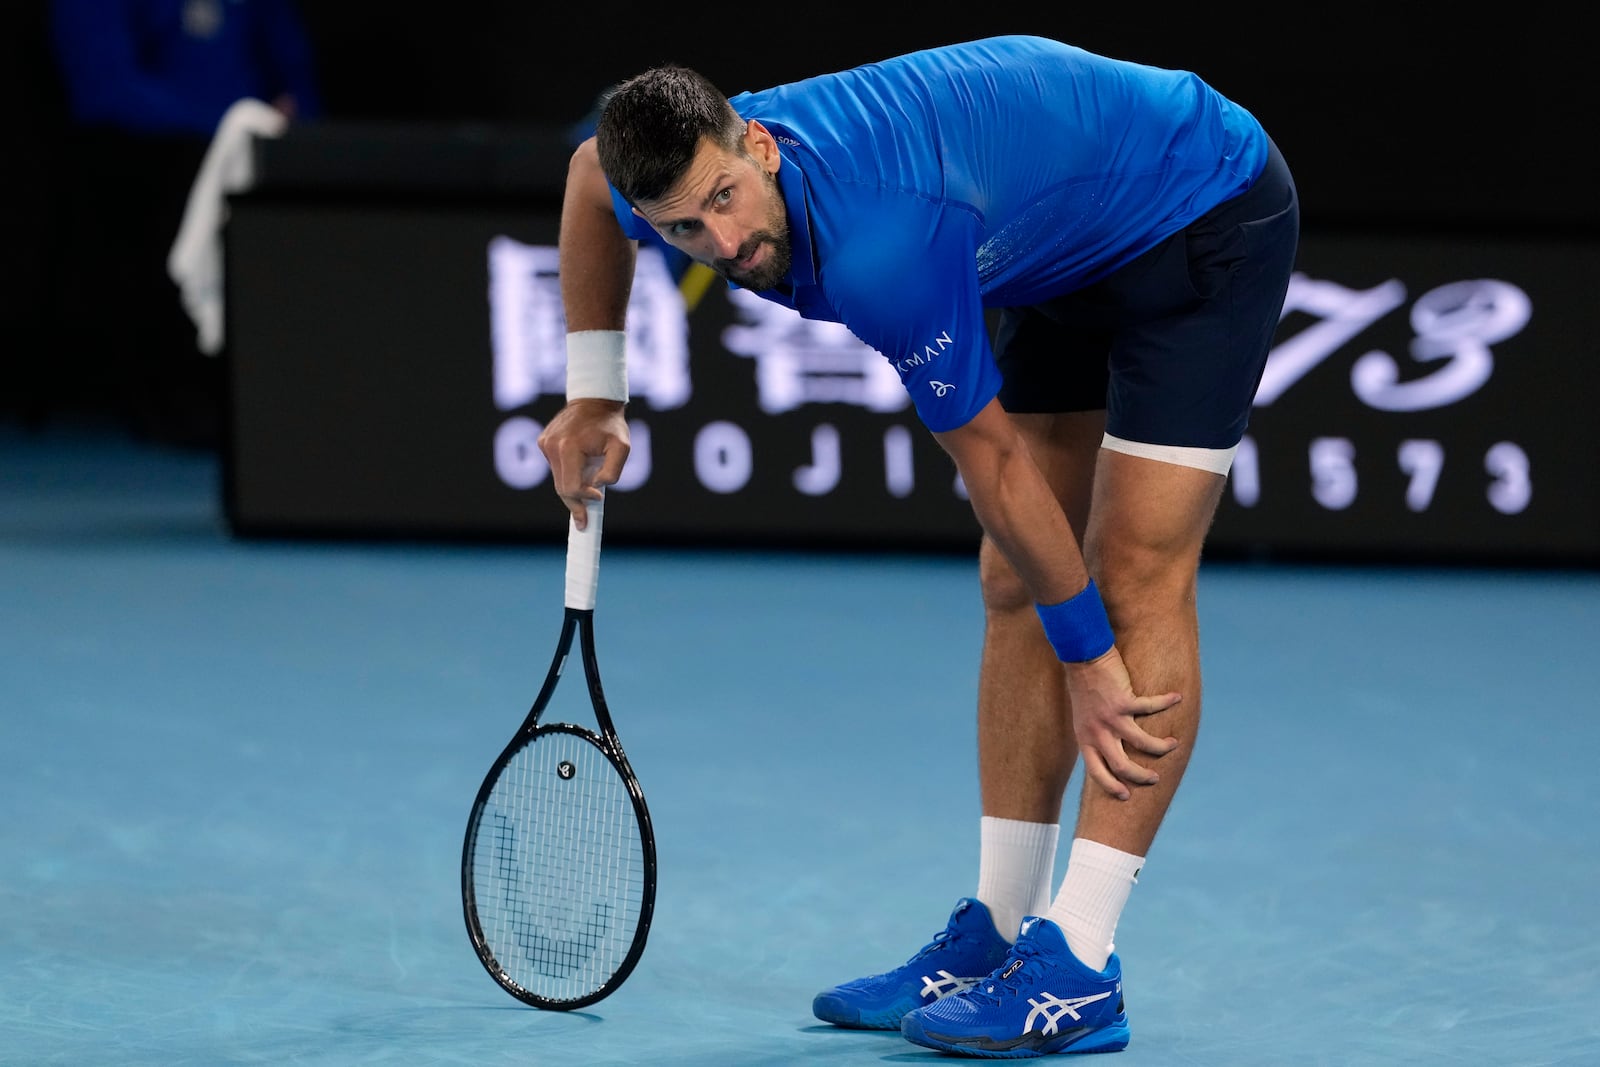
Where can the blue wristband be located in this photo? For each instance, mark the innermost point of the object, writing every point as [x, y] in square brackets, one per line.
[1078, 628]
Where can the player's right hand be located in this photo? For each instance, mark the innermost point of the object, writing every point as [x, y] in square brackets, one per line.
[586, 445]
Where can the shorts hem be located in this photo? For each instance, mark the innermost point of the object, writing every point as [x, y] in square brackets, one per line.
[1215, 460]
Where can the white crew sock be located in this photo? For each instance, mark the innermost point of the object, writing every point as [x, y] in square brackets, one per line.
[1015, 864]
[1091, 898]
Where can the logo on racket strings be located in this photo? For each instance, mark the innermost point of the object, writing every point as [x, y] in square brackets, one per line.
[565, 770]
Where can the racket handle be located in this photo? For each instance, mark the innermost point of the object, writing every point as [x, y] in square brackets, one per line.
[583, 557]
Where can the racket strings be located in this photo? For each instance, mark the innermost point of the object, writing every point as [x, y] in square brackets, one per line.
[559, 868]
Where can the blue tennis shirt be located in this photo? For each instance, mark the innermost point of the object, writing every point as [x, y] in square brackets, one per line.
[997, 173]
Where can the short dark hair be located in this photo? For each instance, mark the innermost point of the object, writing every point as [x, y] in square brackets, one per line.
[652, 125]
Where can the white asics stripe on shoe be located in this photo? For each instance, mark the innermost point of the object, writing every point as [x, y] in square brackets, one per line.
[946, 984]
[1052, 1008]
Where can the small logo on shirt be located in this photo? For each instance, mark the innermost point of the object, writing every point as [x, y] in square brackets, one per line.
[929, 353]
[940, 388]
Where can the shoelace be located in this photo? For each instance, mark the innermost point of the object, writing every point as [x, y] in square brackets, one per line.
[940, 939]
[1022, 964]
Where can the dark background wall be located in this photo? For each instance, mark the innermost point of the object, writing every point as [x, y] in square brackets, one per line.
[1393, 113]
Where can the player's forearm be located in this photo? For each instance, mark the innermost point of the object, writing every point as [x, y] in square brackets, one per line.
[1016, 507]
[596, 257]
[1020, 515]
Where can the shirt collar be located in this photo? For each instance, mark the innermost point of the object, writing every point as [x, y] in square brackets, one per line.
[792, 183]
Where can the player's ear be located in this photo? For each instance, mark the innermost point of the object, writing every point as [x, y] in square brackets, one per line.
[762, 146]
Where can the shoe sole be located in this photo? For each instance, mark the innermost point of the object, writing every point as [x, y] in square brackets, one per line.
[1112, 1038]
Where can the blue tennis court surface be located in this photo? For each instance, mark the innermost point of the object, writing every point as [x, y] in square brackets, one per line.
[235, 777]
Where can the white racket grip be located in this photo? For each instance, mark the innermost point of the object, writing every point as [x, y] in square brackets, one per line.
[583, 557]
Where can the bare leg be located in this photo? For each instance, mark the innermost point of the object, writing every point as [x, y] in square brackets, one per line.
[1026, 749]
[1147, 523]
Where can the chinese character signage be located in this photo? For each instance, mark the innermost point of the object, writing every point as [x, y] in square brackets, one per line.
[1426, 398]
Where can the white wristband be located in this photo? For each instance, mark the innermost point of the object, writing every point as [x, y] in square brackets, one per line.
[597, 365]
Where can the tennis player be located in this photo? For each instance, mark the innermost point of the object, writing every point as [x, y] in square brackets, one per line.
[1136, 231]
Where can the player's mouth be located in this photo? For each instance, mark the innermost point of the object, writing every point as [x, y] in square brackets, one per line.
[746, 263]
[749, 263]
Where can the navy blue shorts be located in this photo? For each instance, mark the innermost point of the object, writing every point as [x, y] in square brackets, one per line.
[1172, 344]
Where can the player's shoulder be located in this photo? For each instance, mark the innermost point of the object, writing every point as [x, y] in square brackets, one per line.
[890, 74]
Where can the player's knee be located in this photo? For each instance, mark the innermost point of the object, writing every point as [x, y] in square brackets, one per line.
[1003, 589]
[1136, 580]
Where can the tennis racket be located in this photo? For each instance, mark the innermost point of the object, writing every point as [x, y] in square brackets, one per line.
[558, 871]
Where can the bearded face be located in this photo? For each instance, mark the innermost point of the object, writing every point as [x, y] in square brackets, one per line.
[728, 212]
[764, 257]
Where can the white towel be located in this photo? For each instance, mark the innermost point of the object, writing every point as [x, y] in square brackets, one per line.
[195, 261]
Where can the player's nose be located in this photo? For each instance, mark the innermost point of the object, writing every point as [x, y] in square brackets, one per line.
[725, 239]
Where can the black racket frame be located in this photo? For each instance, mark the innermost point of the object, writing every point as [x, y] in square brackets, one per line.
[579, 622]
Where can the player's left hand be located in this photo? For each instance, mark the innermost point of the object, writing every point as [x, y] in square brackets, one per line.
[1105, 719]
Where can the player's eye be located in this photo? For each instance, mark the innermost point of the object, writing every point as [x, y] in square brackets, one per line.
[724, 197]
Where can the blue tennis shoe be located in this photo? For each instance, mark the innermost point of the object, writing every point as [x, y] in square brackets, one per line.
[1042, 1000]
[967, 949]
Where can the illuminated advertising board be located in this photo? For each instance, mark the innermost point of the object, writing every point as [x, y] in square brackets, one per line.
[392, 366]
